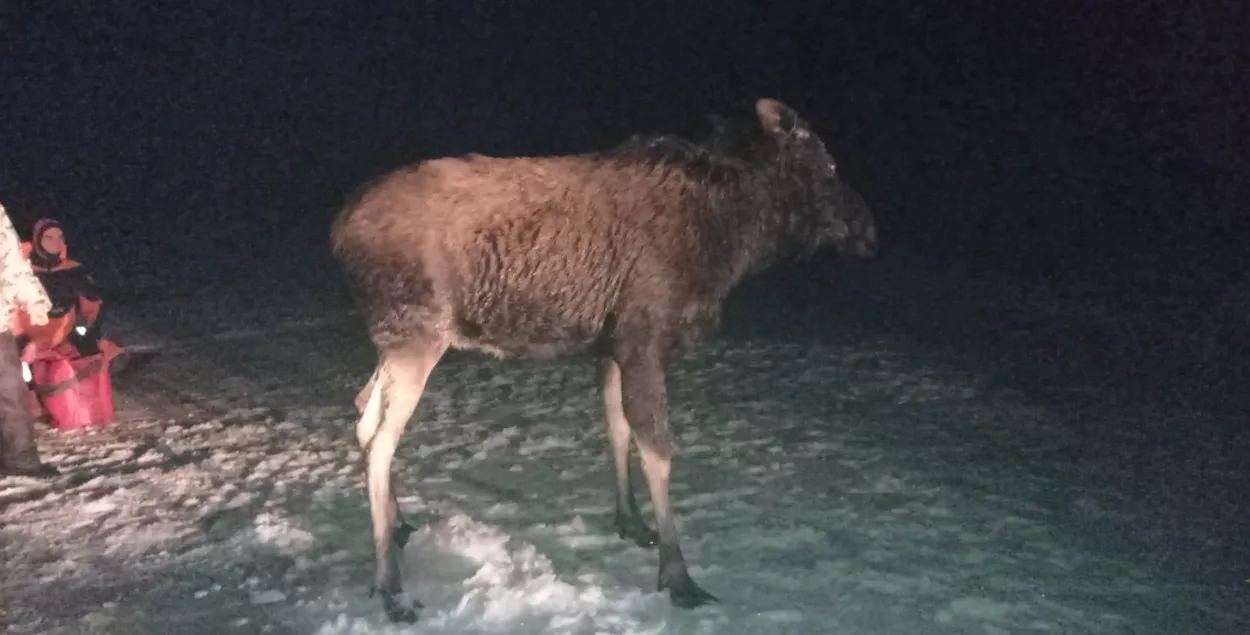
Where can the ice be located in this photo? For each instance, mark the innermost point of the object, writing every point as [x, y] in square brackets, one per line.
[275, 530]
[268, 596]
[840, 486]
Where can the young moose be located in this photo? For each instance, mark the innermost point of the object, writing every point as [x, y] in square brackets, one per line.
[629, 253]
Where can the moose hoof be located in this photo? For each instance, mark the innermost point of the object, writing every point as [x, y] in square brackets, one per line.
[638, 532]
[398, 610]
[684, 593]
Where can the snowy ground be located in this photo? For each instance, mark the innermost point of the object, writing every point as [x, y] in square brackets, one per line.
[840, 484]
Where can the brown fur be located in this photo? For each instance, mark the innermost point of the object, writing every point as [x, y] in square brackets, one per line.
[533, 256]
[631, 251]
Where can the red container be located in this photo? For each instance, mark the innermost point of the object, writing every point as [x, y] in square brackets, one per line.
[77, 392]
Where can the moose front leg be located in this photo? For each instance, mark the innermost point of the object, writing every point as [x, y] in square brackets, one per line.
[645, 403]
[629, 522]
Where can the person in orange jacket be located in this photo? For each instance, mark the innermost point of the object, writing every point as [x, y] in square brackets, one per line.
[71, 288]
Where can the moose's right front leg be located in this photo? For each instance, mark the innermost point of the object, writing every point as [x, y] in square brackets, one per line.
[645, 402]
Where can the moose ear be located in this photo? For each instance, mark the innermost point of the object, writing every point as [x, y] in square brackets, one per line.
[780, 120]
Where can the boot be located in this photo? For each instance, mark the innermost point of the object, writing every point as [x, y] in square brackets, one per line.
[33, 468]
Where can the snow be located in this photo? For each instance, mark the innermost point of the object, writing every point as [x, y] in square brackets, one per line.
[845, 484]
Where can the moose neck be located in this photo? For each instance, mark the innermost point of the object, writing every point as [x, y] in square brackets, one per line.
[758, 206]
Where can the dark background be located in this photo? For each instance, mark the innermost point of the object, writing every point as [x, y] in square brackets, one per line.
[1061, 187]
[1018, 158]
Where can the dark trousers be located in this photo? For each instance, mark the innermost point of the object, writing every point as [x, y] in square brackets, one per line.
[17, 426]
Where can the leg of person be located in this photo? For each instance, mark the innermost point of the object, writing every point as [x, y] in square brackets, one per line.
[18, 454]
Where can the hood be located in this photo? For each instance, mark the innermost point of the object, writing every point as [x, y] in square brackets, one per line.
[38, 256]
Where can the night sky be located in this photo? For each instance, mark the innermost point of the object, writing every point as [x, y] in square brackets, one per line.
[1032, 138]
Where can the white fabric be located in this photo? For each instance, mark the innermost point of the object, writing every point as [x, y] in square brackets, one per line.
[19, 288]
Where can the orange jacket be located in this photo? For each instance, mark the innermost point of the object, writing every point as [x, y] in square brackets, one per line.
[66, 261]
[58, 327]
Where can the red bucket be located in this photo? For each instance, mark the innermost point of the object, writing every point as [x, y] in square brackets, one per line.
[76, 392]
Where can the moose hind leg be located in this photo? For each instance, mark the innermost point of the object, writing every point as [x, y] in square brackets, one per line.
[399, 384]
[645, 401]
[364, 433]
[629, 522]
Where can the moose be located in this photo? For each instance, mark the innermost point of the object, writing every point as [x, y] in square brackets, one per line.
[627, 254]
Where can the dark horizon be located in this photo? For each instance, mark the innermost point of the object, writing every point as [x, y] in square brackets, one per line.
[1021, 135]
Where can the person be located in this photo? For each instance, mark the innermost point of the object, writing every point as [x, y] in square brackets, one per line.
[19, 290]
[71, 287]
[66, 280]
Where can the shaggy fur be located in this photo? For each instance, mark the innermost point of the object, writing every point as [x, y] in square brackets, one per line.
[628, 252]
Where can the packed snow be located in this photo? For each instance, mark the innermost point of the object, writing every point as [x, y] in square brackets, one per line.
[845, 484]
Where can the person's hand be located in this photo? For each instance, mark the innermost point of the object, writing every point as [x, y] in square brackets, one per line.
[38, 316]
